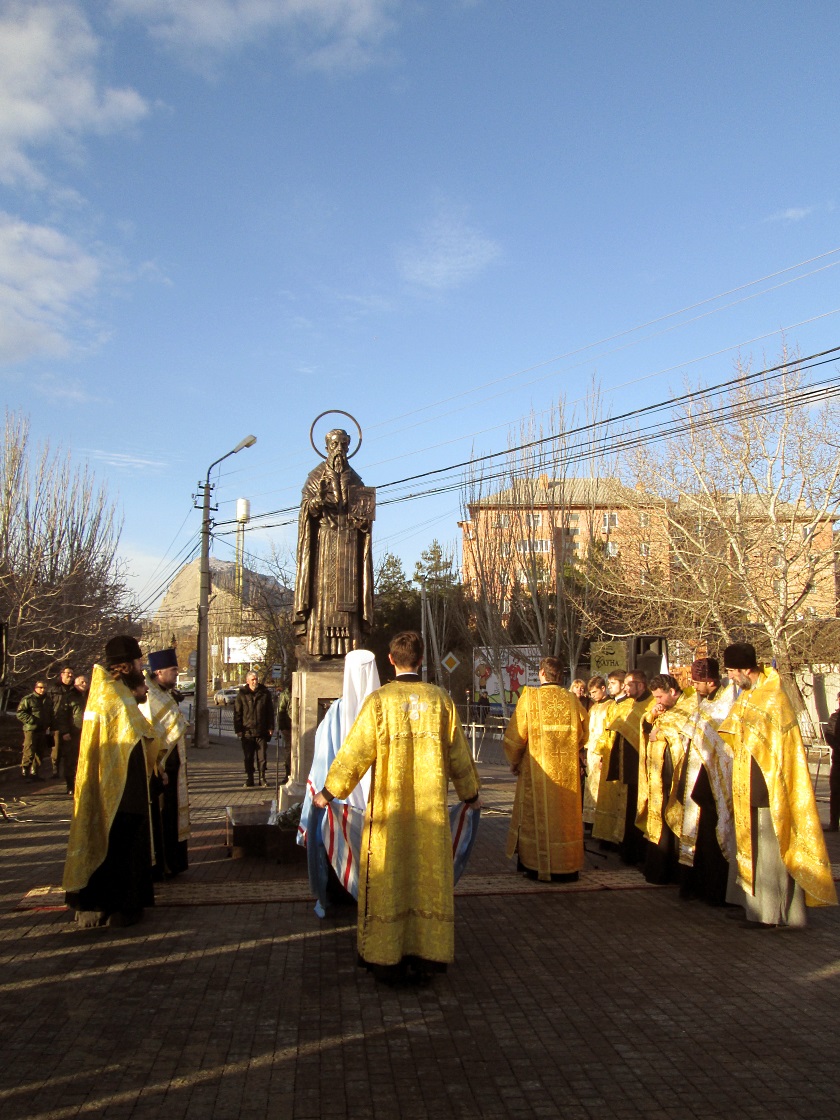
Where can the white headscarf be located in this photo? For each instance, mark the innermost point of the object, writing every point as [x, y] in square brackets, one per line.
[361, 678]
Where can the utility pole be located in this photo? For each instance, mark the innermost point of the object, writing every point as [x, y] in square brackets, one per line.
[202, 716]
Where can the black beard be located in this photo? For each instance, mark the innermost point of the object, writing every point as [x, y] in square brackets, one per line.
[133, 678]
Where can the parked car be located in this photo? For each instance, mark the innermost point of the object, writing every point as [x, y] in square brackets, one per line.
[186, 686]
[225, 697]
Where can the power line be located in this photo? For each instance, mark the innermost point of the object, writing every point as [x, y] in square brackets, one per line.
[166, 553]
[193, 545]
[809, 362]
[506, 378]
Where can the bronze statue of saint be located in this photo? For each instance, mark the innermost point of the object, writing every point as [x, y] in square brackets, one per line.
[334, 582]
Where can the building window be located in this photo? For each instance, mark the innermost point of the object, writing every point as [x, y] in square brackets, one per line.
[502, 521]
[612, 549]
[533, 546]
[644, 549]
[533, 520]
[644, 520]
[505, 606]
[610, 521]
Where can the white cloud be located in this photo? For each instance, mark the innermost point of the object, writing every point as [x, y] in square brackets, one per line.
[328, 34]
[49, 90]
[122, 460]
[447, 254]
[45, 278]
[791, 214]
[60, 390]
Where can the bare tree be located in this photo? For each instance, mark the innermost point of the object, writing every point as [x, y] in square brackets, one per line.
[62, 588]
[268, 597]
[529, 528]
[742, 505]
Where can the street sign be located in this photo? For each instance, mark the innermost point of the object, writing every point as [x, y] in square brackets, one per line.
[277, 672]
[450, 662]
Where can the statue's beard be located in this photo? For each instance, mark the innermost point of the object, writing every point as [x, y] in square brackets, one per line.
[338, 462]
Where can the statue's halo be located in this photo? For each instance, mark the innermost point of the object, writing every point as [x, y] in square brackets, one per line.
[335, 412]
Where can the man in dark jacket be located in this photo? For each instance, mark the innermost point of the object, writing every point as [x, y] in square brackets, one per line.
[62, 696]
[35, 713]
[253, 722]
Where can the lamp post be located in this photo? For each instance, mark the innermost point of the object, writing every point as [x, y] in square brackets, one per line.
[202, 716]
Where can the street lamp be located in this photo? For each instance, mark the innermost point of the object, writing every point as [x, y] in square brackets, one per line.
[202, 716]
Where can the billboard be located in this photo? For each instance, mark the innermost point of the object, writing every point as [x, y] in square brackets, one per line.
[520, 667]
[243, 651]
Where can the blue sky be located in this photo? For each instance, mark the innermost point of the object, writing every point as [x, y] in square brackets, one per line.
[225, 216]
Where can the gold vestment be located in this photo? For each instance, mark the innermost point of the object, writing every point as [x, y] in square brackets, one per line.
[411, 735]
[665, 735]
[113, 725]
[762, 726]
[544, 738]
[162, 711]
[704, 748]
[596, 722]
[611, 798]
[623, 721]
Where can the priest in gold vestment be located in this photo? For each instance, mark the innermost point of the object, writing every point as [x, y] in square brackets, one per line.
[699, 810]
[781, 855]
[662, 747]
[108, 871]
[409, 735]
[543, 741]
[620, 747]
[599, 709]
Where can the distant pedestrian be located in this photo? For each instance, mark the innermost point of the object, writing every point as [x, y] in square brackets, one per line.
[61, 697]
[284, 725]
[35, 713]
[483, 705]
[253, 722]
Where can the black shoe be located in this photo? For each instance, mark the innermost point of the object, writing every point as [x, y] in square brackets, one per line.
[121, 919]
[247, 785]
[37, 778]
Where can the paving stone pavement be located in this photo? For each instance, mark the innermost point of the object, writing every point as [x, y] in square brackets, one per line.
[618, 1001]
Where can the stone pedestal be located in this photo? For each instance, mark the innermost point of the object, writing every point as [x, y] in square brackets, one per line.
[314, 687]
